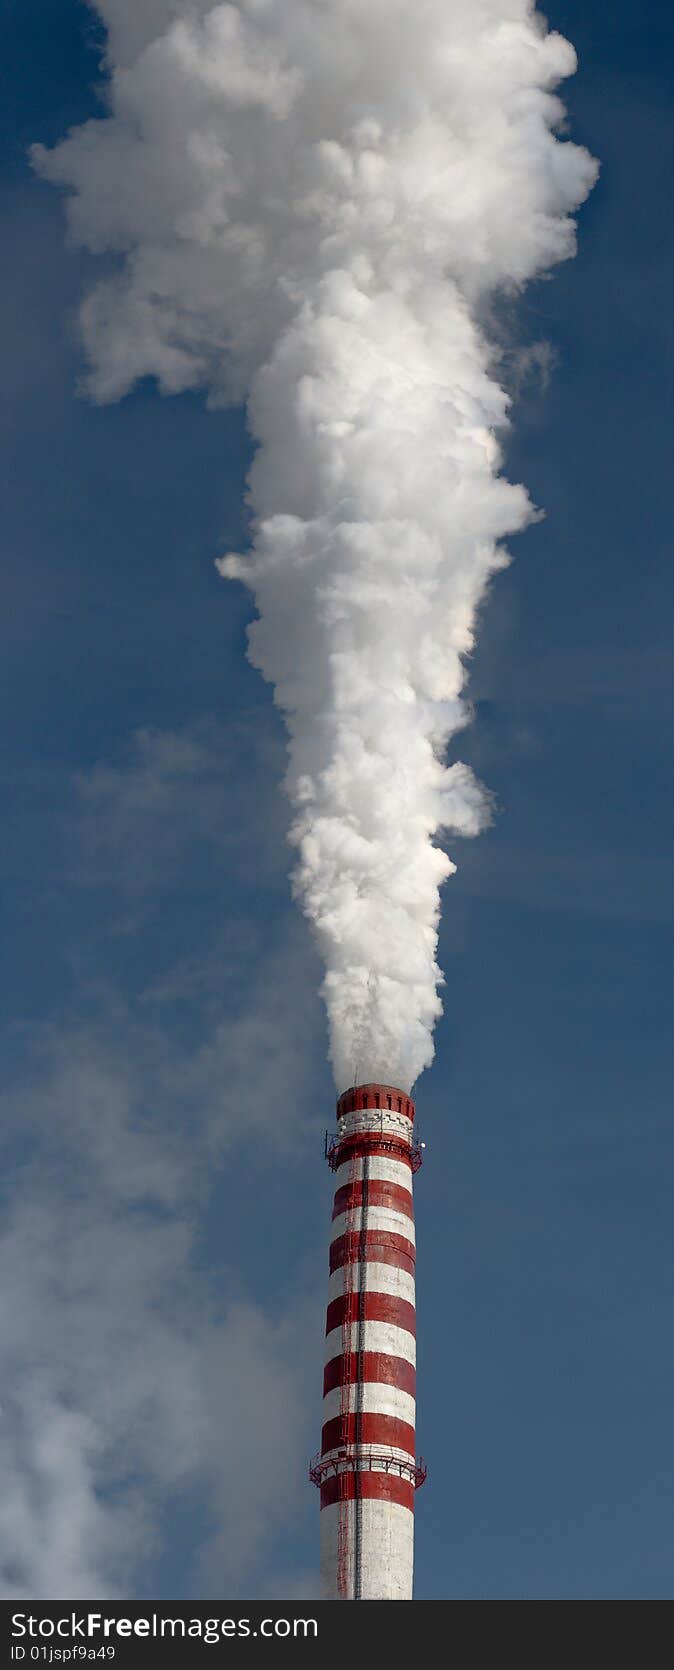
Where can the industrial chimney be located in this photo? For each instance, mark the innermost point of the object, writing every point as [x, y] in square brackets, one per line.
[367, 1472]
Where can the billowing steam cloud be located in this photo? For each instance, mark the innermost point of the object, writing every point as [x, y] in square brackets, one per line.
[310, 202]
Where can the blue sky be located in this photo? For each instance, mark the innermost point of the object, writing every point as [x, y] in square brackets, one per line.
[159, 988]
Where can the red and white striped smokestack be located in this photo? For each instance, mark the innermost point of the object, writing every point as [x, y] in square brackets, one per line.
[367, 1471]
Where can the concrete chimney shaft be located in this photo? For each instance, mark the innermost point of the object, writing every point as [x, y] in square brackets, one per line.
[367, 1471]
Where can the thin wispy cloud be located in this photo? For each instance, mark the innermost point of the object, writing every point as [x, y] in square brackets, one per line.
[177, 803]
[131, 1375]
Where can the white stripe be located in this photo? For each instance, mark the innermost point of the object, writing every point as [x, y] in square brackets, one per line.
[377, 1217]
[387, 1550]
[379, 1278]
[376, 1336]
[381, 1122]
[380, 1171]
[376, 1400]
[391, 1171]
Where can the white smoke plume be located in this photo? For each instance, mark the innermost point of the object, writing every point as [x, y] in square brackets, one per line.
[308, 205]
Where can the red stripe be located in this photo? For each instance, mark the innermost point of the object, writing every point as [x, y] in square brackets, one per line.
[373, 1487]
[383, 1097]
[356, 1366]
[382, 1246]
[378, 1194]
[376, 1307]
[372, 1429]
